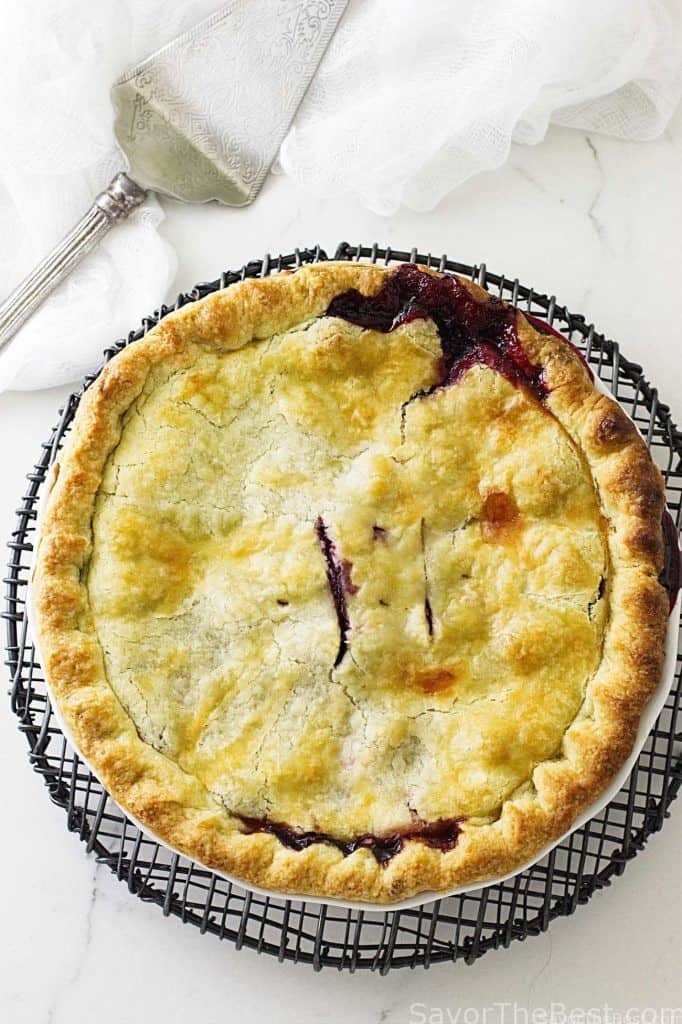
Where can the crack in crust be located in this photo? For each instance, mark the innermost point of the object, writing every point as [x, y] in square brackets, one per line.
[179, 806]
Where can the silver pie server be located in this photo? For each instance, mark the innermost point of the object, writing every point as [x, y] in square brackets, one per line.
[200, 119]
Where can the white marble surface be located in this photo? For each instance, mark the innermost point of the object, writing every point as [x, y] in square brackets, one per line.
[597, 221]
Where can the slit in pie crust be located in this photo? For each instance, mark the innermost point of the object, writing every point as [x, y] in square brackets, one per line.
[348, 584]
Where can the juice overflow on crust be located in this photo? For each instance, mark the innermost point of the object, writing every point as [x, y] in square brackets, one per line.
[441, 835]
[471, 332]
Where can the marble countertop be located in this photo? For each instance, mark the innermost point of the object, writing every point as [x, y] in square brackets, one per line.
[597, 221]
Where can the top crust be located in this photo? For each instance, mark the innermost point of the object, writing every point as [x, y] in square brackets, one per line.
[73, 595]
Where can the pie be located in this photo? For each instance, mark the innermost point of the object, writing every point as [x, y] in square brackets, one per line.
[348, 582]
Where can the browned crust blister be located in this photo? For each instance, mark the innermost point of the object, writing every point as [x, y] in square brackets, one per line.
[174, 805]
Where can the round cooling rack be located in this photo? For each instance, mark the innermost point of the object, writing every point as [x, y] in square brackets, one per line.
[462, 927]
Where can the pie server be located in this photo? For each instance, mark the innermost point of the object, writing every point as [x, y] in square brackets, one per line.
[202, 118]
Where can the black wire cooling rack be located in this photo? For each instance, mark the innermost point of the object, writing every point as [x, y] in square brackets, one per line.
[457, 928]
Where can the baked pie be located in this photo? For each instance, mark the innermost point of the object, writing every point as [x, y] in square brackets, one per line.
[348, 582]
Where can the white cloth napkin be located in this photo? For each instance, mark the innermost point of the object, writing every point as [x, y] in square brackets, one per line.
[410, 100]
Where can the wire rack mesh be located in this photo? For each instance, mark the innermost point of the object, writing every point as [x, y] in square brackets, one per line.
[459, 928]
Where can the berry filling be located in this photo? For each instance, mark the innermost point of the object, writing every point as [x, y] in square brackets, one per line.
[340, 584]
[671, 577]
[428, 615]
[441, 835]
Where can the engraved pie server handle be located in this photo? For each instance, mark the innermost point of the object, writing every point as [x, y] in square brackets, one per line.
[111, 206]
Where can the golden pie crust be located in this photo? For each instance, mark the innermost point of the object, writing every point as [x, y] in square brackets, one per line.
[497, 558]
